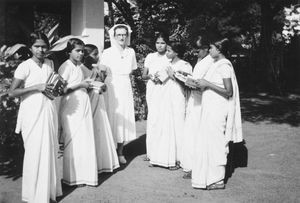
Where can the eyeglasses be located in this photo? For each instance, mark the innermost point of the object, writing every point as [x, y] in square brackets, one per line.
[121, 35]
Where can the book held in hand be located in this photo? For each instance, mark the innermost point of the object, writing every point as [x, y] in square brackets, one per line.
[97, 86]
[191, 82]
[180, 76]
[58, 85]
[162, 75]
[186, 79]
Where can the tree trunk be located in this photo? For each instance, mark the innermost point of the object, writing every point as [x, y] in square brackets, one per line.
[266, 46]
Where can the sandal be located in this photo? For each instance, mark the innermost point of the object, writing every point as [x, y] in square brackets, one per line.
[216, 186]
[174, 168]
[187, 175]
[122, 159]
[81, 185]
[146, 159]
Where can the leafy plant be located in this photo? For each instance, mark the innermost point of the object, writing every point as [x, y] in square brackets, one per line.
[10, 58]
[291, 23]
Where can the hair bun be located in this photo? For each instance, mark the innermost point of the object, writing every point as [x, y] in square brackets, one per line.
[223, 46]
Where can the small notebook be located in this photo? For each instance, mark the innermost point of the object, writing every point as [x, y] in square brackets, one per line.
[180, 76]
[162, 75]
[97, 85]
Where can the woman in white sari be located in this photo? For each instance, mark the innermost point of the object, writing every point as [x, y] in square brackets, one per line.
[154, 63]
[168, 139]
[193, 110]
[119, 61]
[38, 122]
[220, 120]
[107, 159]
[80, 164]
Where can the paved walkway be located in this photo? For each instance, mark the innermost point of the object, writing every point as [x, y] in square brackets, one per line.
[269, 166]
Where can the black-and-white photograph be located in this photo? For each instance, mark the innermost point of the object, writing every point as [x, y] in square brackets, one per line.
[149, 101]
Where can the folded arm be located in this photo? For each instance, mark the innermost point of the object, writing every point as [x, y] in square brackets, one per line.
[16, 89]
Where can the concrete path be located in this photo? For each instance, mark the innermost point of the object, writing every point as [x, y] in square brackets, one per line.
[266, 170]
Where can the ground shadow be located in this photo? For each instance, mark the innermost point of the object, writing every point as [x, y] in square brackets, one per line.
[262, 107]
[11, 167]
[66, 189]
[131, 150]
[102, 177]
[135, 148]
[236, 158]
[274, 109]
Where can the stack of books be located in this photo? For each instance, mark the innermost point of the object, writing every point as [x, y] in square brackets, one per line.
[58, 85]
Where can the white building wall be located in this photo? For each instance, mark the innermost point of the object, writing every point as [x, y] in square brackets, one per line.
[87, 18]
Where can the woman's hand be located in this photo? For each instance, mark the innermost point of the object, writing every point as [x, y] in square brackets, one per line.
[202, 84]
[151, 77]
[170, 72]
[85, 84]
[103, 88]
[40, 87]
[157, 81]
[44, 87]
[225, 92]
[61, 89]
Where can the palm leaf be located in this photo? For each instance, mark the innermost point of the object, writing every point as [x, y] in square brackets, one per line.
[12, 50]
[61, 44]
[51, 34]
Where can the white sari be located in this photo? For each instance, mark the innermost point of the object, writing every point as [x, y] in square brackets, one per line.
[193, 113]
[179, 102]
[167, 137]
[220, 123]
[80, 164]
[155, 63]
[37, 120]
[107, 159]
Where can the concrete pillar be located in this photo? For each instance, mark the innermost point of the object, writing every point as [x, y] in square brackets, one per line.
[87, 18]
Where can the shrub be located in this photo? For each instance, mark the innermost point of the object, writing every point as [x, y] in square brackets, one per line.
[10, 58]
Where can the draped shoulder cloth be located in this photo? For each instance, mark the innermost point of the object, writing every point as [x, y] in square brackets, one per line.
[233, 131]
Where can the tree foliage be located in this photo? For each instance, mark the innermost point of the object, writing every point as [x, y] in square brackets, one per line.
[254, 27]
[10, 58]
